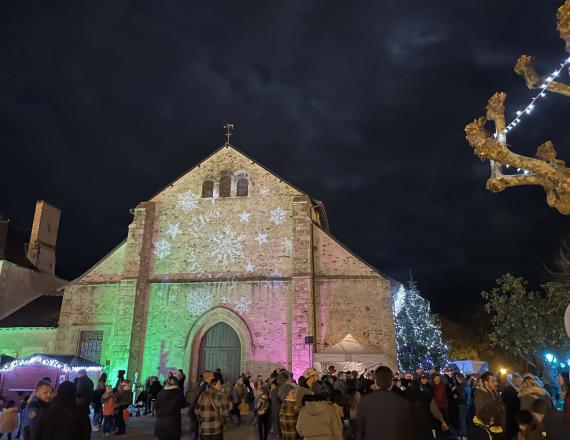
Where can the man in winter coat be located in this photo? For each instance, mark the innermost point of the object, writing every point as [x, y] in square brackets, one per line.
[124, 398]
[83, 390]
[167, 407]
[64, 419]
[550, 422]
[487, 395]
[382, 414]
[37, 404]
[318, 419]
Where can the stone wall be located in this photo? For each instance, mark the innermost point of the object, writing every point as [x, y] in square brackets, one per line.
[23, 341]
[20, 285]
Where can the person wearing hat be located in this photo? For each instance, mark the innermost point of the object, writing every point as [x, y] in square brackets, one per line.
[288, 412]
[64, 419]
[310, 376]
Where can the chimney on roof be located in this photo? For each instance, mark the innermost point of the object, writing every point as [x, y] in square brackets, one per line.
[43, 239]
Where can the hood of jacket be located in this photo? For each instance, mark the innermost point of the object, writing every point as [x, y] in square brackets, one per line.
[532, 391]
[316, 408]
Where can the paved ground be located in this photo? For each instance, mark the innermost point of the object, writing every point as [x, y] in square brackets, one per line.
[141, 428]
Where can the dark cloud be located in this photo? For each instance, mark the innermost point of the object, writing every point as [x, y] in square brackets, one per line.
[362, 105]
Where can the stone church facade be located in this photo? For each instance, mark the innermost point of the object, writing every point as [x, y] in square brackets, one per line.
[228, 266]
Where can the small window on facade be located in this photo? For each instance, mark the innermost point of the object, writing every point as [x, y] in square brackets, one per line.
[242, 187]
[208, 189]
[90, 344]
[225, 185]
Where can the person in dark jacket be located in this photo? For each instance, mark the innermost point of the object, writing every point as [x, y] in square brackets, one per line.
[64, 419]
[169, 402]
[510, 398]
[124, 398]
[83, 390]
[550, 421]
[459, 396]
[382, 414]
[37, 404]
[154, 389]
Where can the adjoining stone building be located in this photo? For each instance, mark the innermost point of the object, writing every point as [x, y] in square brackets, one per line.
[29, 299]
[229, 266]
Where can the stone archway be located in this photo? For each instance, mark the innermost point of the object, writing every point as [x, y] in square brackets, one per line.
[201, 327]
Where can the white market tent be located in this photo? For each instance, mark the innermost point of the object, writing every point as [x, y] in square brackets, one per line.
[347, 355]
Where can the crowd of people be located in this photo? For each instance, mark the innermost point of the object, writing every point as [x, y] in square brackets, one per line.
[381, 405]
[371, 405]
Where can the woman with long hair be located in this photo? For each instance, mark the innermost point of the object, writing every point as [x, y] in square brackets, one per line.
[211, 410]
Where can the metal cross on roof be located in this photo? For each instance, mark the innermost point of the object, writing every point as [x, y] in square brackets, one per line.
[229, 127]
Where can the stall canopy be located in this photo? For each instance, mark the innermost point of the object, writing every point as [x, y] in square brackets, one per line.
[348, 355]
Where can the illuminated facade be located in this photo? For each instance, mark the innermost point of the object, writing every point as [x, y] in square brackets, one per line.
[228, 242]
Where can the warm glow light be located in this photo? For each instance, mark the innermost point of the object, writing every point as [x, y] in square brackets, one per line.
[503, 371]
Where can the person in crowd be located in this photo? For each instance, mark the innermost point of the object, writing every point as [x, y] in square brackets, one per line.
[97, 403]
[564, 382]
[207, 376]
[486, 424]
[338, 401]
[424, 410]
[527, 429]
[486, 394]
[510, 398]
[181, 379]
[280, 380]
[218, 375]
[263, 410]
[318, 419]
[439, 391]
[382, 414]
[168, 376]
[120, 379]
[352, 399]
[154, 389]
[22, 410]
[37, 404]
[169, 402]
[211, 410]
[124, 398]
[288, 412]
[340, 383]
[239, 397]
[109, 405]
[310, 376]
[550, 422]
[8, 419]
[529, 391]
[83, 390]
[459, 395]
[64, 419]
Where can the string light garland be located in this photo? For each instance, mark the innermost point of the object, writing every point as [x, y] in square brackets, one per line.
[47, 362]
[542, 94]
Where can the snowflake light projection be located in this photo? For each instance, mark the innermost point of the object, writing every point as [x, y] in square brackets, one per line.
[173, 230]
[287, 246]
[249, 267]
[244, 216]
[224, 300]
[199, 302]
[187, 201]
[278, 216]
[261, 238]
[242, 305]
[226, 245]
[264, 191]
[162, 249]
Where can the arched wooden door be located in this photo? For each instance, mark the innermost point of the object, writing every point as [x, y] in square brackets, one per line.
[220, 348]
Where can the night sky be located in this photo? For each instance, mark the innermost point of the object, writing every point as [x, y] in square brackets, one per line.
[360, 104]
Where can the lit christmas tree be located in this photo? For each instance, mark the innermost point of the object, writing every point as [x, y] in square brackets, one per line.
[418, 334]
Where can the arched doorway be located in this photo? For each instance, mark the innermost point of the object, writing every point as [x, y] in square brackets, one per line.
[221, 348]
